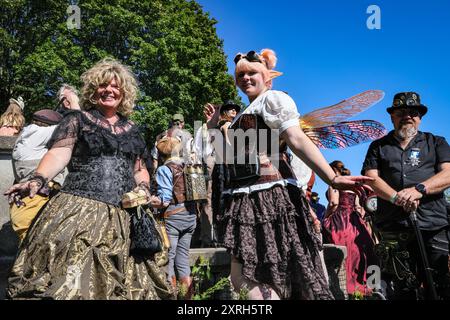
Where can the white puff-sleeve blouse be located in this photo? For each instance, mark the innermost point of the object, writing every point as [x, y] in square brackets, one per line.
[277, 109]
[279, 112]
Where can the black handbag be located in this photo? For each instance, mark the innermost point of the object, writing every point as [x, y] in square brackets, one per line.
[145, 238]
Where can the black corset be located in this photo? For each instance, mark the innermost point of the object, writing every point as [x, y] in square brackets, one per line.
[102, 163]
[246, 167]
[103, 178]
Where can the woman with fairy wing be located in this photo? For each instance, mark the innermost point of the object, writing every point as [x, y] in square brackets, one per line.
[266, 222]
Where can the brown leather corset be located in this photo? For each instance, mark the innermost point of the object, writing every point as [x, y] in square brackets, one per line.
[179, 191]
[273, 165]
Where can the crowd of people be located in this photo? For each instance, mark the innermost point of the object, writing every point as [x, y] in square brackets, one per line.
[73, 165]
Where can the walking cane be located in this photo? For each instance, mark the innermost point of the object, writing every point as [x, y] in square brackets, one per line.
[424, 257]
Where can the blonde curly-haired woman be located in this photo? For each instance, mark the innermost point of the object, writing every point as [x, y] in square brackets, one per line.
[78, 247]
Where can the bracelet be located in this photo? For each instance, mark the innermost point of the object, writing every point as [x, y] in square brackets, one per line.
[332, 182]
[39, 179]
[393, 198]
[144, 185]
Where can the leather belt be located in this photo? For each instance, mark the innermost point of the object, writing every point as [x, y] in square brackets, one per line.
[174, 211]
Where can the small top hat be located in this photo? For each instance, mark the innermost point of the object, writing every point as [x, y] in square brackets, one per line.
[407, 100]
[47, 116]
[18, 101]
[230, 104]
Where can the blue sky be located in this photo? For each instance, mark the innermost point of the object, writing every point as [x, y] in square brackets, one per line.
[327, 54]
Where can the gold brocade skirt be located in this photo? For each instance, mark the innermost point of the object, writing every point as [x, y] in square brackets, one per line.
[78, 248]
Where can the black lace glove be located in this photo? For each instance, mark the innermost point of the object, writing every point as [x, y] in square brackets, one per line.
[28, 188]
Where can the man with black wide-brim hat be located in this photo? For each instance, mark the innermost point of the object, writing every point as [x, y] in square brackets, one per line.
[411, 170]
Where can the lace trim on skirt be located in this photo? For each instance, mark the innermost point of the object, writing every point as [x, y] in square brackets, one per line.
[270, 232]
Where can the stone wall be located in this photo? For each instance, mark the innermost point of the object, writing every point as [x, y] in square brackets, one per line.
[8, 239]
[219, 260]
[335, 257]
[6, 174]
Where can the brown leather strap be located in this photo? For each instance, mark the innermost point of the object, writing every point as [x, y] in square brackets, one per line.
[174, 211]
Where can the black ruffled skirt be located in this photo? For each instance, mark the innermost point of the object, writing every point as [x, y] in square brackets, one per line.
[270, 232]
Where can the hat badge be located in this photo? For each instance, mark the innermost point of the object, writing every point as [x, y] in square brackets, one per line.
[398, 102]
[410, 102]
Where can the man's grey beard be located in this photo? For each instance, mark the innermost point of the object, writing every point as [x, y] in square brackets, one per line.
[406, 133]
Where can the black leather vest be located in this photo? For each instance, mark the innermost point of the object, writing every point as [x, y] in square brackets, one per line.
[268, 171]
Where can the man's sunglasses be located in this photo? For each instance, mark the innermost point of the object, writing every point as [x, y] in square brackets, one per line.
[251, 56]
[404, 112]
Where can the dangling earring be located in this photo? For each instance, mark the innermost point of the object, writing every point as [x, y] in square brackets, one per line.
[94, 102]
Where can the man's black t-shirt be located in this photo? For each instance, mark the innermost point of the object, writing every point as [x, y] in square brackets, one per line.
[406, 168]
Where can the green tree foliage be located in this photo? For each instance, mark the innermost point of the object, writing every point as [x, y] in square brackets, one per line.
[171, 45]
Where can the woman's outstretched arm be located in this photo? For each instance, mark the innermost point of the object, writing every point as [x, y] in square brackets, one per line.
[306, 150]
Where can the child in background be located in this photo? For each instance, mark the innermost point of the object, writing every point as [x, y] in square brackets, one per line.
[180, 215]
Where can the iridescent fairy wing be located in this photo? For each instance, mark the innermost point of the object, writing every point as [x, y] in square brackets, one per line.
[346, 134]
[341, 111]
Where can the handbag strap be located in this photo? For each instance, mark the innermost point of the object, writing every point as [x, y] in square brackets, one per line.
[141, 211]
[160, 227]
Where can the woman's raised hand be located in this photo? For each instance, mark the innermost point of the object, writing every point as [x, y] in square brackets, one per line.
[212, 113]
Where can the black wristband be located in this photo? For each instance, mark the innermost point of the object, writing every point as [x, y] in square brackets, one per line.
[332, 183]
[39, 179]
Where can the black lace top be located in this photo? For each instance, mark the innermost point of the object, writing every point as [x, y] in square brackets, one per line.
[103, 157]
